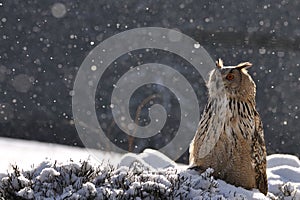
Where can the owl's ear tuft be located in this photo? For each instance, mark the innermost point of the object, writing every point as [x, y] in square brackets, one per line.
[244, 65]
[219, 63]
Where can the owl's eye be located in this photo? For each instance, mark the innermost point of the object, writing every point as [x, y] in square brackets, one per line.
[230, 77]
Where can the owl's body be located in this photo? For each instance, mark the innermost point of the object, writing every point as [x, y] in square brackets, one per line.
[230, 137]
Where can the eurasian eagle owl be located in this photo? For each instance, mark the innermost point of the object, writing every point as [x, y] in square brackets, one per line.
[230, 137]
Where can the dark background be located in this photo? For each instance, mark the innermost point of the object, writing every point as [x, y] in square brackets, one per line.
[42, 48]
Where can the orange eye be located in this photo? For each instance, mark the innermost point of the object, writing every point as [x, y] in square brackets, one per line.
[230, 77]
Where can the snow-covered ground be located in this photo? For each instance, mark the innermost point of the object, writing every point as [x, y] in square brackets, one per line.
[27, 153]
[146, 175]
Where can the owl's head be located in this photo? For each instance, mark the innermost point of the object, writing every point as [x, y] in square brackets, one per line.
[233, 81]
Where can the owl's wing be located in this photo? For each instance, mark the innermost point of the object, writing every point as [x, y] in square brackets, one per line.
[259, 155]
[209, 127]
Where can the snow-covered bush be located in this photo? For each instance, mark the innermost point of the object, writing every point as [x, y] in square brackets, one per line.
[84, 181]
[136, 178]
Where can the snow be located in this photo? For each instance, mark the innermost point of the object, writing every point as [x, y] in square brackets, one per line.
[58, 10]
[284, 174]
[27, 153]
[283, 159]
[59, 172]
[149, 158]
[48, 173]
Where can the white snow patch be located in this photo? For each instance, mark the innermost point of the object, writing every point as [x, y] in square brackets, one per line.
[282, 159]
[31, 153]
[48, 173]
[284, 174]
[150, 158]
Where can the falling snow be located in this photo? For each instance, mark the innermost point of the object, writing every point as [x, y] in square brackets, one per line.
[58, 10]
[42, 46]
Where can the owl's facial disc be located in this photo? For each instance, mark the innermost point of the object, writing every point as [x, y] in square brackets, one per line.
[232, 78]
[225, 80]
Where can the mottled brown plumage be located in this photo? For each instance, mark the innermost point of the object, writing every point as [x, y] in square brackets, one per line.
[230, 137]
